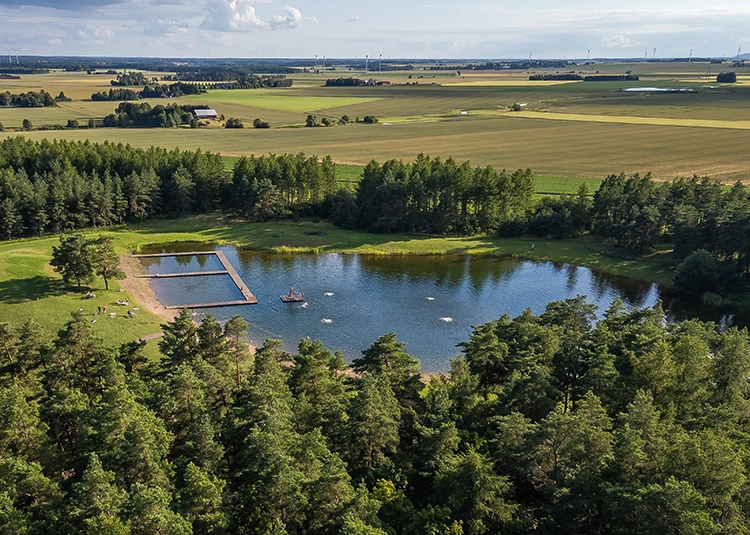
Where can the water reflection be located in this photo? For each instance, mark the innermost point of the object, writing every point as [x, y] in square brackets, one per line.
[353, 299]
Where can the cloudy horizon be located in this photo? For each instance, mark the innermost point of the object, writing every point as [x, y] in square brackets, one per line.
[337, 29]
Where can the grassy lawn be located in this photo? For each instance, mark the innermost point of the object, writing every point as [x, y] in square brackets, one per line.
[30, 289]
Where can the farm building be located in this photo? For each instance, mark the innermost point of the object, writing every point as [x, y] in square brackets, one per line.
[205, 114]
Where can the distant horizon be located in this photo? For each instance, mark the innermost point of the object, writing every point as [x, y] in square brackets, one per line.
[574, 29]
[373, 60]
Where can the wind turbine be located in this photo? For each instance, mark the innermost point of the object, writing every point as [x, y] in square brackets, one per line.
[367, 59]
[380, 65]
[654, 54]
[690, 58]
[16, 51]
[738, 53]
[10, 51]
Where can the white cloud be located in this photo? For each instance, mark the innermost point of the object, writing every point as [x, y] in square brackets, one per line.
[161, 28]
[232, 16]
[354, 18]
[617, 41]
[293, 19]
[96, 35]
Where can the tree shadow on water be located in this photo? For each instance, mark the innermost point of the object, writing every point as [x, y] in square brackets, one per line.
[21, 290]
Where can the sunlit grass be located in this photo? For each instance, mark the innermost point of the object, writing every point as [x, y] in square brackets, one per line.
[622, 119]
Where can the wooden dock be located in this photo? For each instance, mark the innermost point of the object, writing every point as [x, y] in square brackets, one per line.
[250, 299]
[241, 286]
[185, 274]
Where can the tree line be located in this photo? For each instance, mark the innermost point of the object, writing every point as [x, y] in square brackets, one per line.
[549, 423]
[31, 99]
[636, 213]
[118, 94]
[131, 78]
[58, 186]
[434, 195]
[143, 115]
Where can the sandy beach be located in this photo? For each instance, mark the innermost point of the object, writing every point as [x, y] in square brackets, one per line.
[140, 289]
[142, 293]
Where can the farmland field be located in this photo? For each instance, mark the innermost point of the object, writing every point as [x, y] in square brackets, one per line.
[566, 129]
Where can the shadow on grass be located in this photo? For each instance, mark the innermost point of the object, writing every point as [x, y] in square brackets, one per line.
[21, 290]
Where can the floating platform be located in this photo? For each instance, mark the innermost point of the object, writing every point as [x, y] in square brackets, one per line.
[250, 299]
[293, 297]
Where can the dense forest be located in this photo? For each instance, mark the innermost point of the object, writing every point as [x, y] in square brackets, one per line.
[548, 423]
[57, 186]
[636, 213]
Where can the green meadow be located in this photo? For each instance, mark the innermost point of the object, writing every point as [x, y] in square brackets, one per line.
[30, 288]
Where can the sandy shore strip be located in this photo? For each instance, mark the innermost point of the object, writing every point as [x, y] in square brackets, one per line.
[141, 290]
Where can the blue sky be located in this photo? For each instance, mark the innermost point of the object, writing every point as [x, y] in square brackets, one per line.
[397, 29]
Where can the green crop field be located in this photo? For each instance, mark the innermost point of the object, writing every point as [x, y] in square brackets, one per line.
[272, 100]
[571, 129]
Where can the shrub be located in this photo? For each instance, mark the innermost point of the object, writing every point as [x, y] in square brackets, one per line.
[234, 123]
[370, 119]
[72, 124]
[697, 274]
[312, 120]
[257, 123]
[27, 125]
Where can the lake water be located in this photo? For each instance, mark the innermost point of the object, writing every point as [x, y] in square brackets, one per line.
[430, 301]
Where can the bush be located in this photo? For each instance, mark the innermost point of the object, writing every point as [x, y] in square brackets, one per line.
[312, 121]
[1, 127]
[72, 124]
[234, 123]
[27, 125]
[370, 119]
[257, 123]
[92, 123]
[515, 107]
[697, 274]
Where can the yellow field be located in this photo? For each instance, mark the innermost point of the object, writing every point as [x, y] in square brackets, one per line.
[699, 123]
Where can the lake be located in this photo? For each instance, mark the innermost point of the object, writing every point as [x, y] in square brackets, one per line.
[430, 301]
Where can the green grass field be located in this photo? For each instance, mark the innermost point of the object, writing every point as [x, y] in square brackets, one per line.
[597, 130]
[549, 148]
[272, 100]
